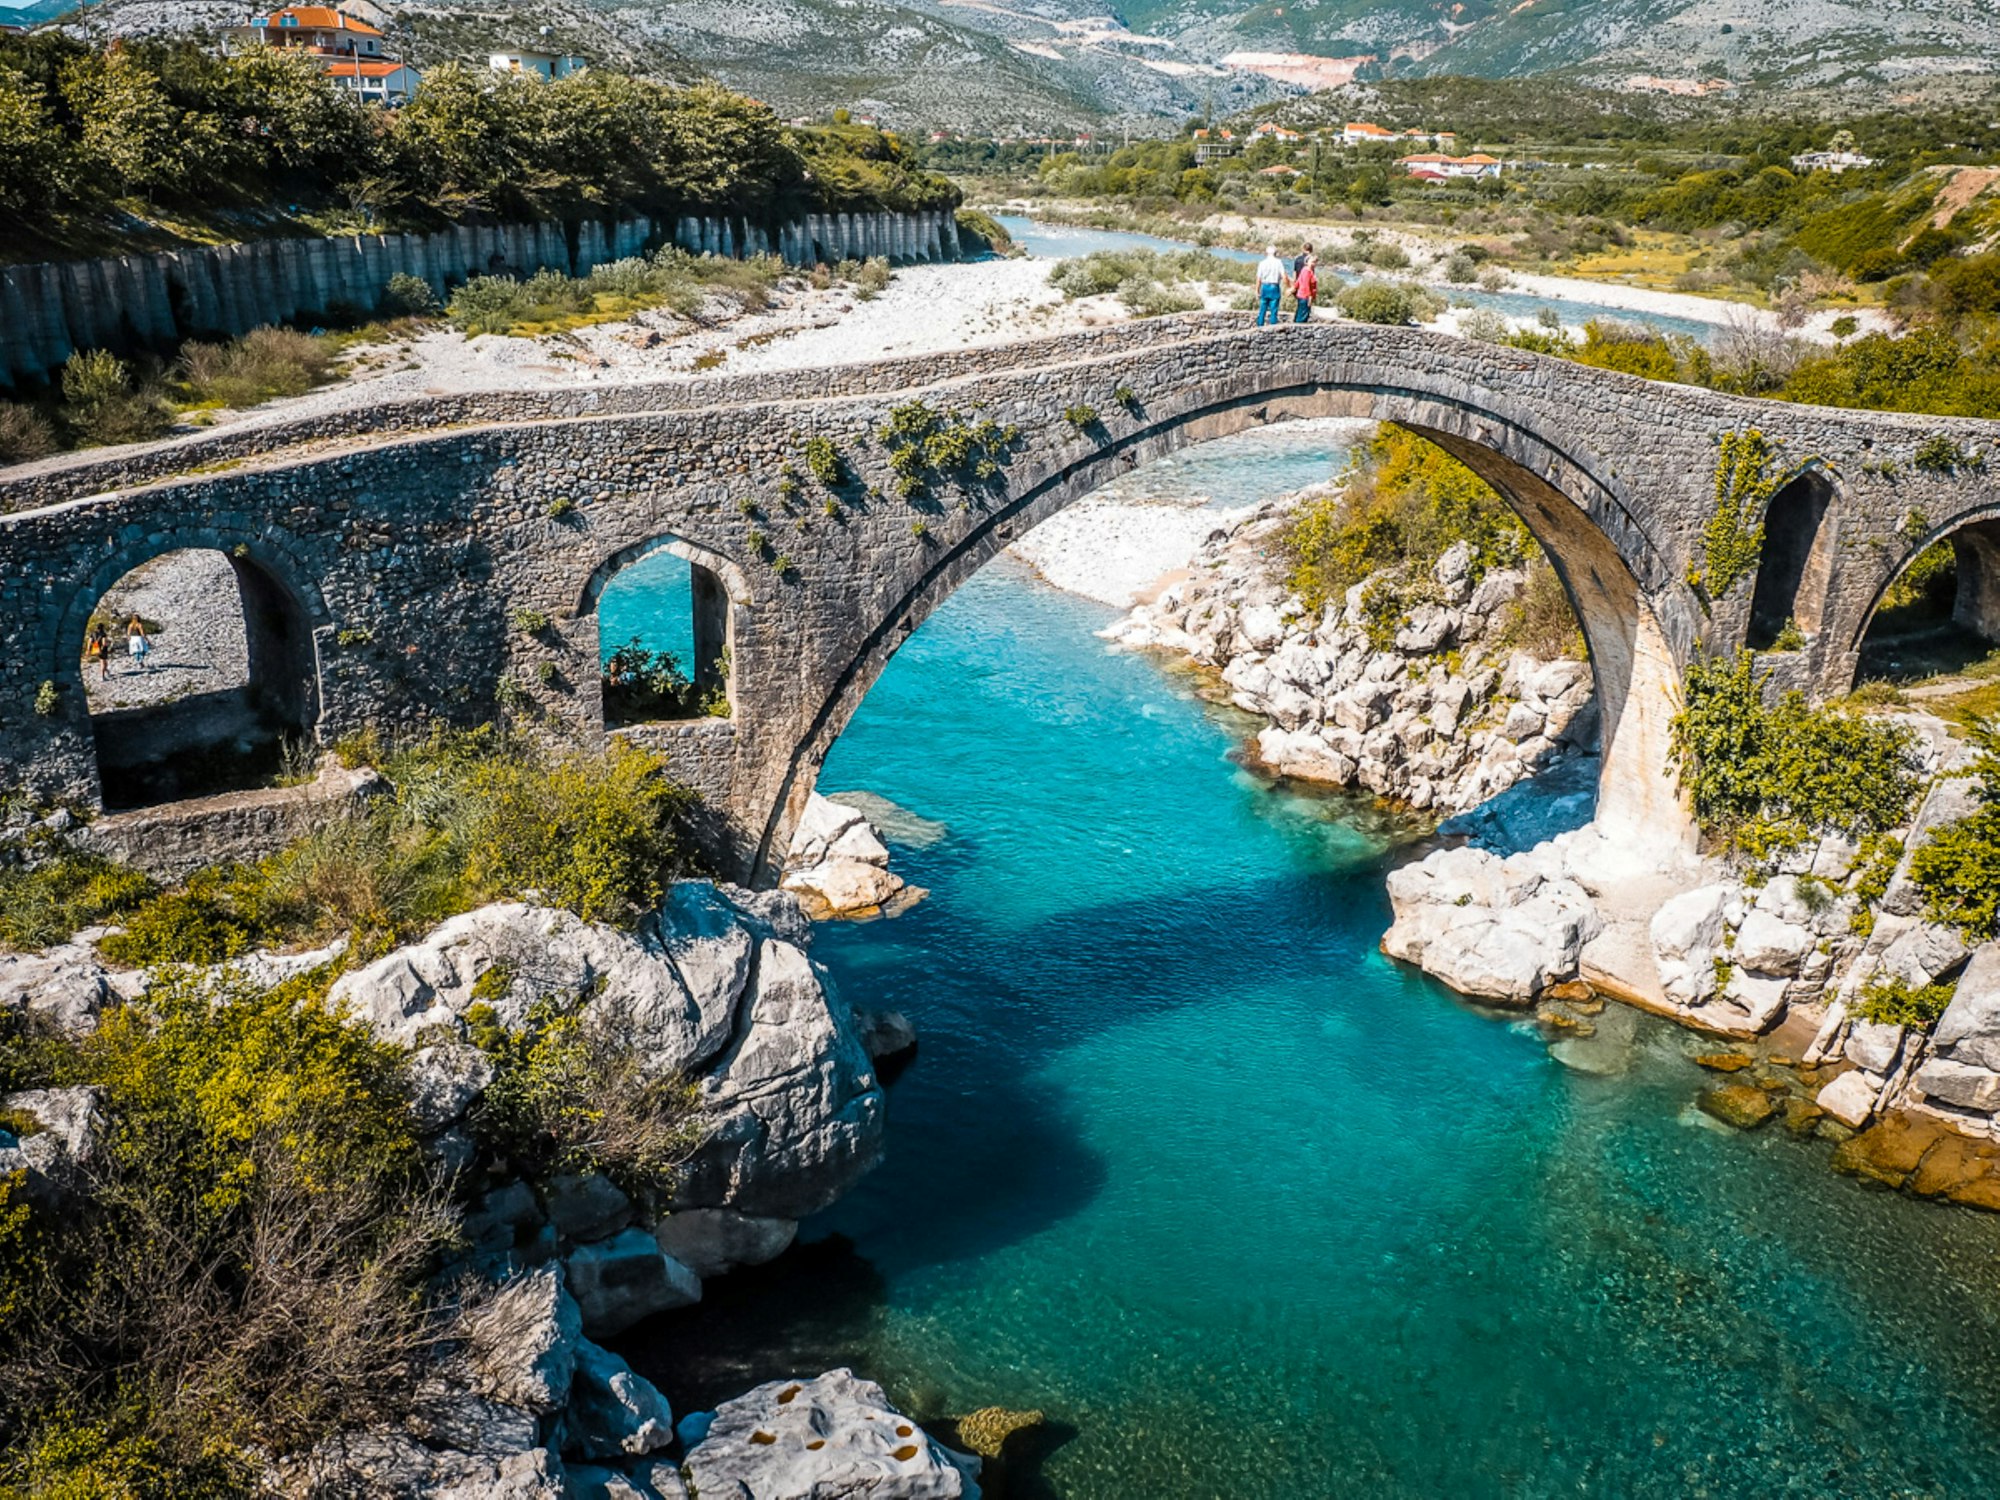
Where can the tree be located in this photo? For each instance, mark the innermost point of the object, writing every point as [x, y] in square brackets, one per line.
[36, 162]
[130, 129]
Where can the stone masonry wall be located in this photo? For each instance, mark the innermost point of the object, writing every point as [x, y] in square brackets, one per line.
[49, 311]
[414, 560]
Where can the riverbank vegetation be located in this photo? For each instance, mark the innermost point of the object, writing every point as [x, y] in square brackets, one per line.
[1402, 503]
[245, 1258]
[1764, 777]
[1152, 282]
[473, 818]
[163, 142]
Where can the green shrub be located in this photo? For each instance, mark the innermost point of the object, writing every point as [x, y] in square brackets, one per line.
[65, 891]
[1385, 302]
[824, 463]
[1082, 417]
[926, 444]
[529, 621]
[408, 296]
[1897, 1002]
[101, 405]
[264, 364]
[1938, 454]
[25, 434]
[1402, 502]
[1765, 777]
[597, 834]
[247, 1269]
[1958, 867]
[47, 700]
[570, 1098]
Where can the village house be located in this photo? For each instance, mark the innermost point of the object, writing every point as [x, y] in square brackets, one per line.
[1269, 131]
[1830, 161]
[1434, 166]
[547, 66]
[352, 52]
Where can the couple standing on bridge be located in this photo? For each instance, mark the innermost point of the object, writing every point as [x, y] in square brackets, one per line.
[1275, 277]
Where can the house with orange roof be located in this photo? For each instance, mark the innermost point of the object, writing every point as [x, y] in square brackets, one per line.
[354, 53]
[1435, 166]
[1361, 133]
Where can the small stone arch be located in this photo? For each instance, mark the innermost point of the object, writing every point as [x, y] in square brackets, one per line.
[1795, 571]
[1974, 539]
[722, 601]
[281, 695]
[1636, 614]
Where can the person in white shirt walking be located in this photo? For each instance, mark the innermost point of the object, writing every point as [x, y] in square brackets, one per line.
[1271, 279]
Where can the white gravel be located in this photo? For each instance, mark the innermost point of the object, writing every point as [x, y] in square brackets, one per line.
[1120, 551]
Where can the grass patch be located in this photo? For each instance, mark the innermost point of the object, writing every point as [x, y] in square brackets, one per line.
[475, 817]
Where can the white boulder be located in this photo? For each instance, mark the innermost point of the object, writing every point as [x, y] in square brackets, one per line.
[833, 1436]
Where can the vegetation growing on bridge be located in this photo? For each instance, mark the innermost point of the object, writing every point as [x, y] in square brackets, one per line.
[929, 446]
[1765, 777]
[1746, 477]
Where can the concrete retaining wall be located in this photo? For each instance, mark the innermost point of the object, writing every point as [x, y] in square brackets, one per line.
[131, 302]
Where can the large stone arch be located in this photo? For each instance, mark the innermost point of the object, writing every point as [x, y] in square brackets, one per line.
[1639, 619]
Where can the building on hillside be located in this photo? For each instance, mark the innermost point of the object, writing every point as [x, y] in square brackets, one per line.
[1433, 166]
[1272, 132]
[386, 82]
[547, 66]
[1831, 161]
[1361, 133]
[352, 51]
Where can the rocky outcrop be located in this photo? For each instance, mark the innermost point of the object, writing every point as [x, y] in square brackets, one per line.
[1497, 929]
[1433, 709]
[49, 1134]
[836, 1435]
[838, 865]
[714, 987]
[517, 1393]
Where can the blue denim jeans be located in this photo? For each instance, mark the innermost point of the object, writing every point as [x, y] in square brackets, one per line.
[1304, 310]
[1269, 295]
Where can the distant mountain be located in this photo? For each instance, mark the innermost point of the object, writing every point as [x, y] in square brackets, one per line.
[35, 13]
[1052, 66]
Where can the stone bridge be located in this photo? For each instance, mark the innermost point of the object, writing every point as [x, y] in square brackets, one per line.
[443, 559]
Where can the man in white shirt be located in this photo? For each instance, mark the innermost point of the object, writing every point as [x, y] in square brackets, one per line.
[1270, 286]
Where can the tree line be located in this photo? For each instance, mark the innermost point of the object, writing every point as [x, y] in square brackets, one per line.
[168, 129]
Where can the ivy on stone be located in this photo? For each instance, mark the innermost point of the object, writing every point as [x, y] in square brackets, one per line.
[1746, 477]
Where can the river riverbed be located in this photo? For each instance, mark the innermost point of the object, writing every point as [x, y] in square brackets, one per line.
[1249, 1210]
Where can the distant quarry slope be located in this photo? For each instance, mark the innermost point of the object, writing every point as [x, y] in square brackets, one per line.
[1051, 66]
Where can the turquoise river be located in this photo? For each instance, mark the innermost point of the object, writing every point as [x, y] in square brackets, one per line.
[1251, 1211]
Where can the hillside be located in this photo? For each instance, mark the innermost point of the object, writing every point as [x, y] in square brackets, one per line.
[1053, 66]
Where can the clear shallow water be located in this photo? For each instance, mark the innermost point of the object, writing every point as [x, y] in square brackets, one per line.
[1067, 241]
[1252, 1212]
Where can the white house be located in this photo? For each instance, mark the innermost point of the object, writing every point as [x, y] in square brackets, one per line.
[546, 66]
[1434, 166]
